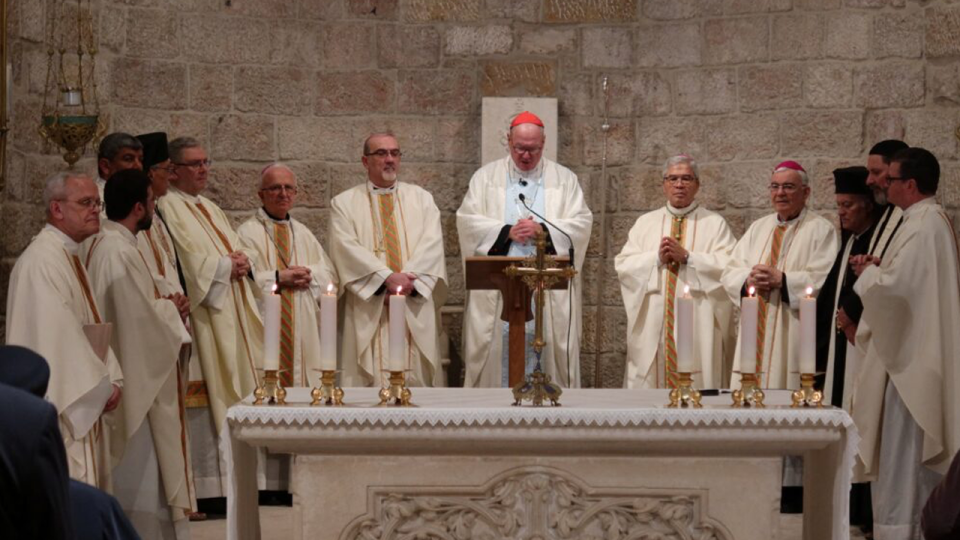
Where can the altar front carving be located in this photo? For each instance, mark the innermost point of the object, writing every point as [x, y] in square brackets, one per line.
[535, 502]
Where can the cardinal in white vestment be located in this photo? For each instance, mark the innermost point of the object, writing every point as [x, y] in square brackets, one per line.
[51, 309]
[909, 326]
[498, 217]
[227, 330]
[385, 239]
[288, 250]
[682, 245]
[151, 480]
[781, 255]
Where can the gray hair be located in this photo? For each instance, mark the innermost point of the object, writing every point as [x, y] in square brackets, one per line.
[112, 144]
[804, 179]
[176, 147]
[55, 188]
[275, 166]
[376, 135]
[681, 159]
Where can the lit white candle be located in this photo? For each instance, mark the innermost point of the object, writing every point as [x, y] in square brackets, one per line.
[749, 307]
[271, 329]
[398, 327]
[685, 332]
[328, 329]
[808, 333]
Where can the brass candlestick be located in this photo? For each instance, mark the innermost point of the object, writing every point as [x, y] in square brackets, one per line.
[806, 396]
[270, 390]
[328, 393]
[685, 395]
[749, 394]
[397, 395]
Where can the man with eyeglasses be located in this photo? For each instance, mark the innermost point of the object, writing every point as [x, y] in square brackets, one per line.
[51, 309]
[680, 245]
[227, 329]
[779, 256]
[498, 217]
[908, 330]
[150, 480]
[385, 239]
[290, 256]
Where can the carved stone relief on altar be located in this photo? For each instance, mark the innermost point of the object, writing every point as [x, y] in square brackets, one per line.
[534, 503]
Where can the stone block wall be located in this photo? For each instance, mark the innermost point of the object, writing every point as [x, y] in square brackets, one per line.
[738, 84]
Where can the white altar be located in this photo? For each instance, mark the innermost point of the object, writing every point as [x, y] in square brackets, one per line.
[608, 464]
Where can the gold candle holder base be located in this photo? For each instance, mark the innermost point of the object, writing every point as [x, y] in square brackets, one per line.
[397, 395]
[685, 395]
[806, 396]
[537, 389]
[328, 393]
[749, 394]
[270, 391]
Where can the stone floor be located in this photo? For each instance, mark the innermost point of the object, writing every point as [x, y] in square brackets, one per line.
[276, 524]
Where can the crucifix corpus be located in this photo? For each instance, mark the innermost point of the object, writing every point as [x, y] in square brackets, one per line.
[539, 273]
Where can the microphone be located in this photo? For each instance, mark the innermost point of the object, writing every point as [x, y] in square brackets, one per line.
[523, 200]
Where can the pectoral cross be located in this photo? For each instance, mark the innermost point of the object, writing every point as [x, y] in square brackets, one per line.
[539, 273]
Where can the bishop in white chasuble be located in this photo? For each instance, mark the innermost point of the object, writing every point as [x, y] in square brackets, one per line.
[781, 255]
[385, 235]
[680, 245]
[287, 249]
[149, 331]
[51, 310]
[227, 330]
[493, 220]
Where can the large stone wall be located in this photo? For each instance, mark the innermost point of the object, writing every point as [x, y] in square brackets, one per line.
[738, 84]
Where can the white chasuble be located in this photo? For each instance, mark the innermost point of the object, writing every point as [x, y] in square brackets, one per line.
[227, 330]
[156, 246]
[909, 329]
[147, 338]
[260, 233]
[643, 281]
[49, 304]
[360, 256]
[808, 249]
[480, 220]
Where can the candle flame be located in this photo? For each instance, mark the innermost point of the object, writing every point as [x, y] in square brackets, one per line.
[809, 292]
[686, 289]
[274, 288]
[399, 289]
[330, 288]
[751, 291]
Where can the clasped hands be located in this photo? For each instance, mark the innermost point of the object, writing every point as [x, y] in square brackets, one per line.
[399, 280]
[765, 278]
[672, 252]
[241, 265]
[524, 230]
[295, 277]
[861, 262]
[182, 303]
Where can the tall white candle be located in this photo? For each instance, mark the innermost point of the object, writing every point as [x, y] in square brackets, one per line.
[808, 333]
[685, 332]
[271, 329]
[749, 307]
[398, 327]
[328, 329]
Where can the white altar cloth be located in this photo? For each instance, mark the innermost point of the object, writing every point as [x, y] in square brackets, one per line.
[459, 421]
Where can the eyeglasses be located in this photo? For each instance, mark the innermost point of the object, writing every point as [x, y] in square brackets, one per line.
[685, 179]
[787, 188]
[90, 203]
[383, 152]
[278, 189]
[532, 151]
[195, 165]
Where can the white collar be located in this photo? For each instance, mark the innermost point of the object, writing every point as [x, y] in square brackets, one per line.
[377, 190]
[72, 247]
[682, 212]
[791, 221]
[516, 174]
[195, 199]
[264, 216]
[919, 205]
[112, 227]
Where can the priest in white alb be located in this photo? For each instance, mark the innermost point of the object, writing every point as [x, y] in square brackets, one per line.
[682, 245]
[385, 239]
[498, 216]
[151, 481]
[290, 255]
[51, 309]
[227, 330]
[780, 256]
[909, 330]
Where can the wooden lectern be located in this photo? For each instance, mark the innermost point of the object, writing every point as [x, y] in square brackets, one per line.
[487, 273]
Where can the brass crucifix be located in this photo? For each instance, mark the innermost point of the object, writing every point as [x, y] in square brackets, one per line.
[539, 274]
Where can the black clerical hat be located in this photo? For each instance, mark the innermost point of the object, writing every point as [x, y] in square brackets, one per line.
[851, 180]
[154, 148]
